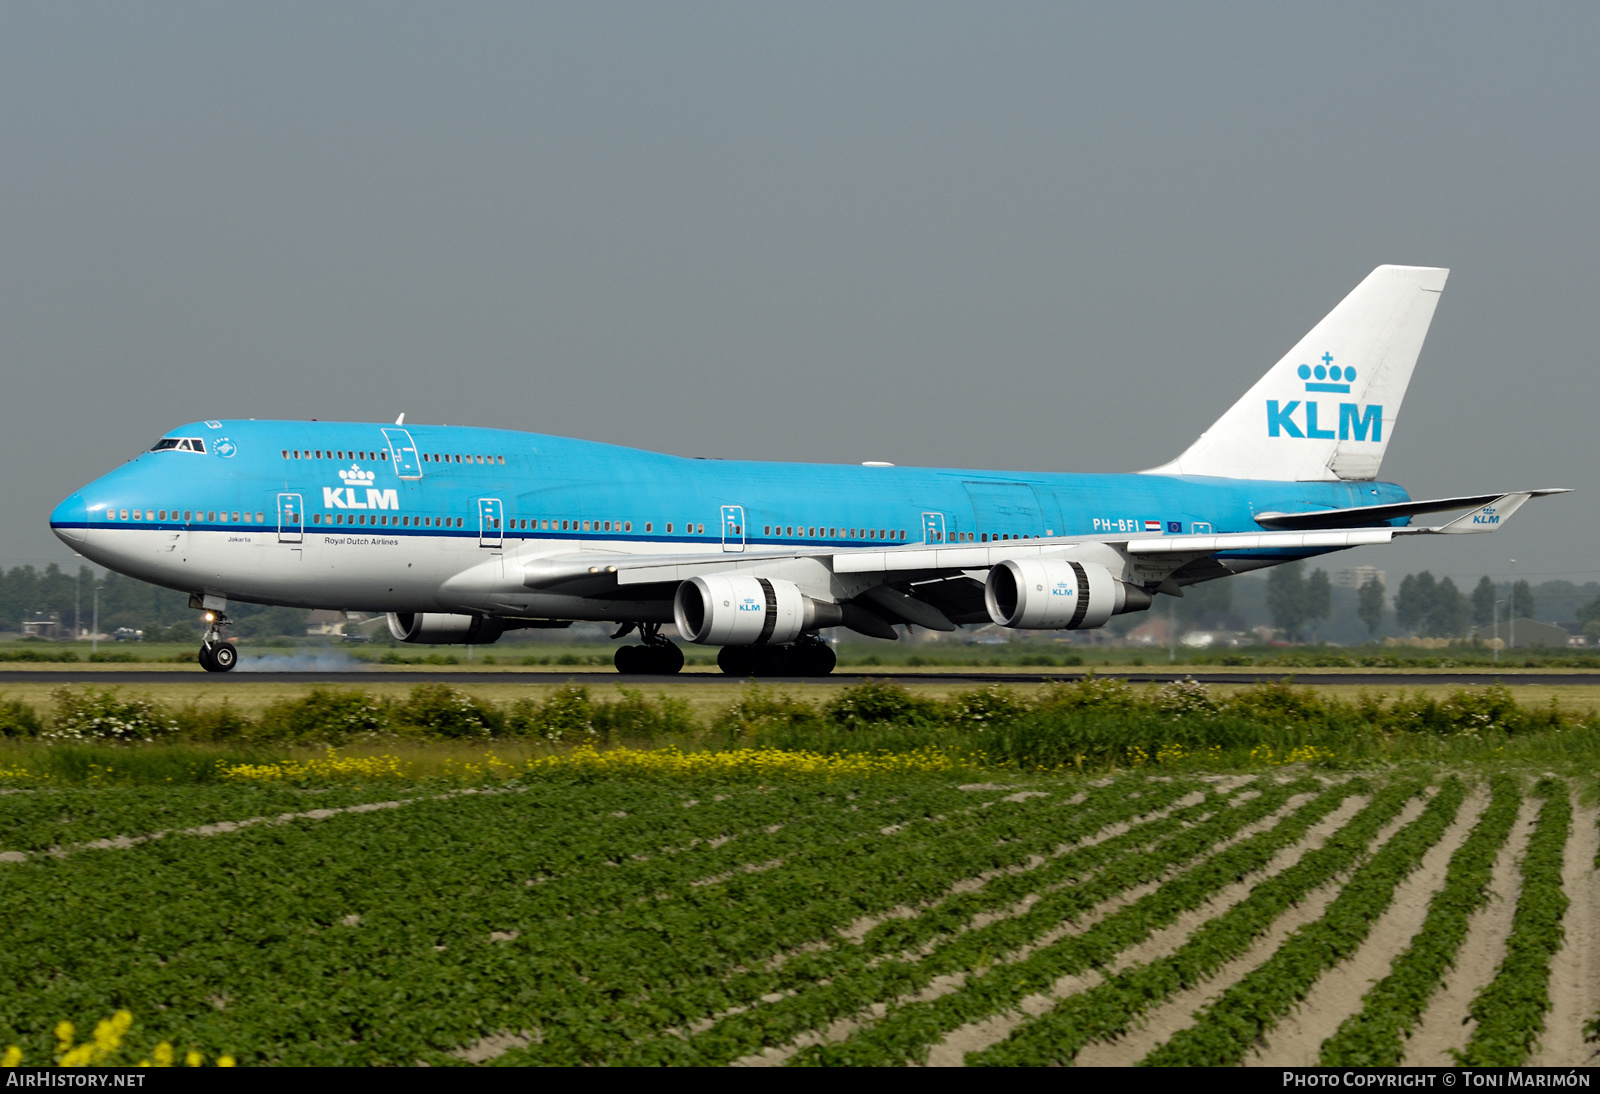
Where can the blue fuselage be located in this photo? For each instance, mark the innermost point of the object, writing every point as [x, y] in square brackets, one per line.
[377, 516]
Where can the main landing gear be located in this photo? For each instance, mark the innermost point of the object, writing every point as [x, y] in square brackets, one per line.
[808, 656]
[217, 654]
[657, 657]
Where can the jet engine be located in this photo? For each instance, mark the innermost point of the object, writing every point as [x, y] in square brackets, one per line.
[1053, 594]
[444, 629]
[738, 610]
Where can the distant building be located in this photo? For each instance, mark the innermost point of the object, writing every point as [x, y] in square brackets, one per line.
[1354, 579]
[1530, 635]
[325, 624]
[41, 626]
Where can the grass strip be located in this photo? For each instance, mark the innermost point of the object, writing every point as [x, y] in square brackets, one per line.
[1110, 1009]
[907, 1032]
[1228, 1028]
[1375, 1036]
[1510, 1011]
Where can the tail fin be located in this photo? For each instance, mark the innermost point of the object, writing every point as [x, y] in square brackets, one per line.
[1327, 410]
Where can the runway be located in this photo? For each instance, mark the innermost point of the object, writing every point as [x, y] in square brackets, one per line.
[605, 676]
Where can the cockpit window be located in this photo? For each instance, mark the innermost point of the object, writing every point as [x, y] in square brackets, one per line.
[179, 444]
[165, 443]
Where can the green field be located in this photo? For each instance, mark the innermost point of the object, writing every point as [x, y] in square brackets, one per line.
[1086, 873]
[565, 916]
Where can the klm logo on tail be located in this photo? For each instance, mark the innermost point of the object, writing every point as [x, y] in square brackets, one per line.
[1355, 422]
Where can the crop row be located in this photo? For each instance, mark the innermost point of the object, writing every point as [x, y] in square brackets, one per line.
[1109, 1010]
[1374, 1036]
[258, 918]
[813, 986]
[805, 903]
[907, 1031]
[42, 819]
[1510, 1010]
[1226, 1030]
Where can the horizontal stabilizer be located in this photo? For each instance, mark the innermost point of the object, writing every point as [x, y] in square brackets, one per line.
[1369, 516]
[1488, 518]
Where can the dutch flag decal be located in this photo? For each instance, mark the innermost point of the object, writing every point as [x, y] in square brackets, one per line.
[1152, 526]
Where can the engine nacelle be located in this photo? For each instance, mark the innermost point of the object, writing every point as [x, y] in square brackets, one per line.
[444, 629]
[738, 610]
[1051, 594]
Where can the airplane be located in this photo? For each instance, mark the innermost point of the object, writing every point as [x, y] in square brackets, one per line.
[461, 534]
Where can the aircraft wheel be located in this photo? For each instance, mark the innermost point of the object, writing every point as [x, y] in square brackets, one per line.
[813, 660]
[224, 657]
[737, 660]
[667, 660]
[205, 659]
[774, 661]
[629, 661]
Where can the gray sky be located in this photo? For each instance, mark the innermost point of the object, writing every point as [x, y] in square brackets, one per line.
[1009, 236]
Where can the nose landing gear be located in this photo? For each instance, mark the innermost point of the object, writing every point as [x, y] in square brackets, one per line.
[217, 654]
[657, 657]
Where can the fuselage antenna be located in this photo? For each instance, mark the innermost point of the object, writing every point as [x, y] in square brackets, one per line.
[400, 420]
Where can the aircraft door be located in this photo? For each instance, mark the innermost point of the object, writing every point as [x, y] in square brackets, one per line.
[489, 522]
[291, 519]
[933, 528]
[403, 453]
[733, 528]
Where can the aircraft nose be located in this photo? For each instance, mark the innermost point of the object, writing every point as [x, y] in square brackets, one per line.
[70, 521]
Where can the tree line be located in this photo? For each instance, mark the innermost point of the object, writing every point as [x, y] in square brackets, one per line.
[163, 614]
[1424, 605]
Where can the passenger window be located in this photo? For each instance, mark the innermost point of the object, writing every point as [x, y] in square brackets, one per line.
[188, 515]
[669, 526]
[502, 459]
[297, 453]
[627, 526]
[700, 530]
[211, 515]
[316, 518]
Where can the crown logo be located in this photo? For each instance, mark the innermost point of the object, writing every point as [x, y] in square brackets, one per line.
[357, 477]
[1328, 376]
